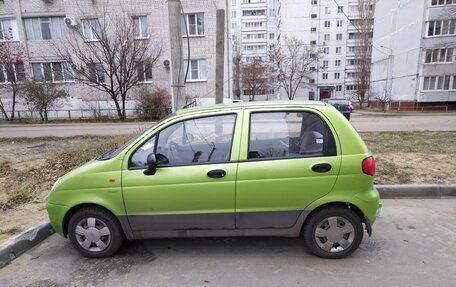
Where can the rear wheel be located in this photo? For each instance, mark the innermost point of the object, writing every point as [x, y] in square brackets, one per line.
[95, 232]
[333, 232]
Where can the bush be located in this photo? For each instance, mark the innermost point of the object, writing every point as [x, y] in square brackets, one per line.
[153, 105]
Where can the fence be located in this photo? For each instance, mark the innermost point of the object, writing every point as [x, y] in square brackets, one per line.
[87, 114]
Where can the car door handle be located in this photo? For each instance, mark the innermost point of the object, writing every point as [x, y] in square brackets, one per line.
[321, 167]
[216, 173]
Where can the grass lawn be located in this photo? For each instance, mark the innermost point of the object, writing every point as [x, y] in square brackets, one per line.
[29, 167]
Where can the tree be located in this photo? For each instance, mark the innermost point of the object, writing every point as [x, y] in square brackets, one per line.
[293, 61]
[42, 96]
[111, 54]
[12, 56]
[383, 96]
[256, 78]
[364, 25]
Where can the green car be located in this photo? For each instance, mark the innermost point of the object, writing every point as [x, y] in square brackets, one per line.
[244, 169]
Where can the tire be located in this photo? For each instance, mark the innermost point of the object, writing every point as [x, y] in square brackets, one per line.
[341, 232]
[95, 232]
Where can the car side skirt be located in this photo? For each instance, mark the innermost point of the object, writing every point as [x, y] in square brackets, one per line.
[214, 225]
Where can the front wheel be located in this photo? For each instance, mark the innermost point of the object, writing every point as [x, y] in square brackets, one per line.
[95, 232]
[333, 232]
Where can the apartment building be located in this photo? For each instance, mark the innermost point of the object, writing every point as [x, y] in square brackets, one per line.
[40, 25]
[415, 62]
[253, 31]
[332, 27]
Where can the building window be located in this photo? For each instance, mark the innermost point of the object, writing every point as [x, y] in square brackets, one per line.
[197, 70]
[313, 42]
[233, 14]
[327, 37]
[313, 16]
[327, 24]
[327, 10]
[351, 88]
[441, 27]
[442, 2]
[44, 28]
[8, 30]
[338, 50]
[53, 72]
[314, 2]
[340, 23]
[253, 12]
[336, 76]
[14, 73]
[254, 48]
[338, 88]
[351, 75]
[326, 50]
[440, 55]
[194, 24]
[439, 83]
[339, 37]
[144, 72]
[324, 76]
[254, 36]
[91, 29]
[337, 63]
[96, 73]
[340, 9]
[253, 24]
[325, 64]
[351, 62]
[313, 29]
[140, 24]
[272, 12]
[271, 35]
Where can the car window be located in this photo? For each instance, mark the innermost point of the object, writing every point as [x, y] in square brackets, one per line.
[199, 140]
[338, 102]
[289, 135]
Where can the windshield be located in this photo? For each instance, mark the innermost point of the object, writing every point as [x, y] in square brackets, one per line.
[338, 102]
[115, 151]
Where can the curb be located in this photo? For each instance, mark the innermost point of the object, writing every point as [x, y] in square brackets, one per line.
[417, 190]
[20, 243]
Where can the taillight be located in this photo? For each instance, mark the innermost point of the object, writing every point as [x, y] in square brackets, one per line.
[369, 166]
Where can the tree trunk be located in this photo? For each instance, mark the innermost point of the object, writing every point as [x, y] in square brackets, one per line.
[118, 109]
[14, 103]
[4, 112]
[124, 112]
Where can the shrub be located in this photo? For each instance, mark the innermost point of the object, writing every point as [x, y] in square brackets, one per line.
[153, 105]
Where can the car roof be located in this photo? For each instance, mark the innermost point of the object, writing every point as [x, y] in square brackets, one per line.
[255, 104]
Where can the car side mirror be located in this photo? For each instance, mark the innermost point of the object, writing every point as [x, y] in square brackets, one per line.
[151, 165]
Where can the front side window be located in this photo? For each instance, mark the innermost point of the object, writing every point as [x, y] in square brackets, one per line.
[91, 29]
[289, 135]
[199, 140]
[194, 24]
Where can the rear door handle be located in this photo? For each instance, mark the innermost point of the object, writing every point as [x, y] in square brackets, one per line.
[216, 173]
[321, 167]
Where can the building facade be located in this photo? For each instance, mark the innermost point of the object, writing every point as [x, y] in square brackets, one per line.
[38, 26]
[415, 63]
[333, 28]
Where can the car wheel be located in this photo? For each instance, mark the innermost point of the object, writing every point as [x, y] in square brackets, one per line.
[95, 232]
[333, 232]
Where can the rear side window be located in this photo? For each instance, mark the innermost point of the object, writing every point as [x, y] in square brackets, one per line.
[289, 135]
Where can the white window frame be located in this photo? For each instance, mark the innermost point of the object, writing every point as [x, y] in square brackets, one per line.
[434, 3]
[16, 75]
[336, 76]
[448, 53]
[93, 34]
[147, 76]
[451, 26]
[438, 81]
[339, 37]
[186, 24]
[140, 27]
[14, 31]
[51, 65]
[202, 75]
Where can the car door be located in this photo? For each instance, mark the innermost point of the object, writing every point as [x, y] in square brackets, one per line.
[288, 159]
[194, 184]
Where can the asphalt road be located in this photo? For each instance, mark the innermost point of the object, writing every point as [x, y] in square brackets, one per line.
[362, 122]
[414, 244]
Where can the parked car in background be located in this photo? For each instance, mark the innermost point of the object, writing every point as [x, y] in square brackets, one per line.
[352, 108]
[344, 106]
[244, 169]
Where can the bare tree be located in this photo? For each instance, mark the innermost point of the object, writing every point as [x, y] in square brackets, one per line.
[12, 56]
[383, 96]
[364, 25]
[293, 61]
[42, 96]
[111, 54]
[256, 78]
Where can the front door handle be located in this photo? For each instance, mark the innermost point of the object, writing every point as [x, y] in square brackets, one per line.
[216, 173]
[321, 167]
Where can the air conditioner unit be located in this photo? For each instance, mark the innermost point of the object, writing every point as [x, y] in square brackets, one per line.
[70, 22]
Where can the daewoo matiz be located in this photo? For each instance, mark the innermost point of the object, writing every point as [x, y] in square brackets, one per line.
[244, 169]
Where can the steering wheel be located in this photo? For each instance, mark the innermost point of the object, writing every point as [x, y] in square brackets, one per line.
[174, 152]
